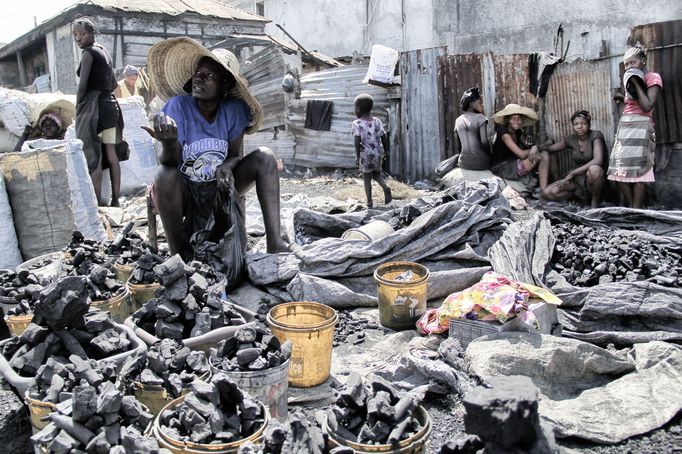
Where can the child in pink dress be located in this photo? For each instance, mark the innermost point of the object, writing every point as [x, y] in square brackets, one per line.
[369, 138]
[631, 163]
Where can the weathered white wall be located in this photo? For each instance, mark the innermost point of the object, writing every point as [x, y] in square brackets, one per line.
[338, 28]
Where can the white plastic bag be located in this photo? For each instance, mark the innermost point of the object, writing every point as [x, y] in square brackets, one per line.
[10, 256]
[382, 63]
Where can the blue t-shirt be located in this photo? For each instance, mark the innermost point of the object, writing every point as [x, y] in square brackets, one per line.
[204, 145]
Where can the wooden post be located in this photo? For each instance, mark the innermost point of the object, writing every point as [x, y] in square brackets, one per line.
[22, 71]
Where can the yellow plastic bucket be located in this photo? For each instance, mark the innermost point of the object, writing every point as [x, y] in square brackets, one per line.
[17, 324]
[156, 397]
[181, 447]
[401, 303]
[38, 410]
[123, 272]
[119, 307]
[416, 444]
[141, 293]
[310, 328]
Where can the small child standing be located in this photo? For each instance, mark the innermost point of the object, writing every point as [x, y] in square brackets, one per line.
[369, 137]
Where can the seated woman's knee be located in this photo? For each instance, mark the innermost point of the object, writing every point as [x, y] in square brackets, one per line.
[595, 172]
[265, 156]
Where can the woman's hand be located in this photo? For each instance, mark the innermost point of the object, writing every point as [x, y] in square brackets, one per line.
[165, 128]
[564, 181]
[224, 176]
[534, 154]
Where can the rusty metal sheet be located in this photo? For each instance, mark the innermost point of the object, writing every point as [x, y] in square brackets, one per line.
[580, 85]
[421, 144]
[456, 74]
[664, 41]
[512, 84]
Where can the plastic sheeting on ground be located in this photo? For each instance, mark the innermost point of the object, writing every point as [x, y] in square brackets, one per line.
[450, 232]
[622, 313]
[10, 256]
[589, 392]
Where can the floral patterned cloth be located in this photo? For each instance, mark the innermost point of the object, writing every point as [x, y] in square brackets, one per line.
[370, 132]
[495, 297]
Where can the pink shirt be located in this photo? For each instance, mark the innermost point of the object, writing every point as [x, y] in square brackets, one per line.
[632, 106]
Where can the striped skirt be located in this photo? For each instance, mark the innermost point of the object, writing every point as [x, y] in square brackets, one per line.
[632, 157]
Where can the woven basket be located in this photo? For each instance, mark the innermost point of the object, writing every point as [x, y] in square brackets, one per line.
[467, 330]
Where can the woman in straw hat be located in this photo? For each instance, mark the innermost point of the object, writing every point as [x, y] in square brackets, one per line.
[50, 125]
[510, 161]
[201, 129]
[631, 163]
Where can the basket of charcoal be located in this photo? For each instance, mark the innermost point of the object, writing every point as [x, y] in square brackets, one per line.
[188, 306]
[64, 326]
[18, 294]
[465, 330]
[163, 373]
[46, 266]
[374, 416]
[224, 418]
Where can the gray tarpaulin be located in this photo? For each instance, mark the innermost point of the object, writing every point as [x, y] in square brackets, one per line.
[622, 313]
[450, 232]
[587, 391]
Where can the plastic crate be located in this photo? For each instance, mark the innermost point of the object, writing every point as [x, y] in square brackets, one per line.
[467, 330]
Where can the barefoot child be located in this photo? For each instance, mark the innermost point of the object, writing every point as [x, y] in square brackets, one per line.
[369, 137]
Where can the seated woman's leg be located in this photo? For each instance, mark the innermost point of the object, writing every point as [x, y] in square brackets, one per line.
[595, 183]
[558, 191]
[260, 168]
[544, 168]
[171, 194]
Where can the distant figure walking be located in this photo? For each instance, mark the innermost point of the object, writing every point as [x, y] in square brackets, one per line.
[97, 111]
[369, 137]
[130, 84]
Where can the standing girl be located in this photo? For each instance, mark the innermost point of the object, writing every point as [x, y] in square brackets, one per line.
[631, 163]
[97, 112]
[369, 137]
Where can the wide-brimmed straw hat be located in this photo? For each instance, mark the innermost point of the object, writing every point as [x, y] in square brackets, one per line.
[63, 108]
[528, 115]
[172, 62]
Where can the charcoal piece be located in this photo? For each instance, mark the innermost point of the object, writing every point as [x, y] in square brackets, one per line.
[109, 417]
[206, 391]
[228, 347]
[113, 433]
[216, 421]
[48, 370]
[84, 404]
[167, 348]
[191, 307]
[83, 337]
[109, 398]
[250, 409]
[180, 358]
[148, 377]
[201, 433]
[230, 394]
[286, 349]
[175, 385]
[98, 445]
[168, 330]
[30, 362]
[260, 363]
[233, 423]
[156, 363]
[75, 429]
[46, 435]
[274, 359]
[399, 430]
[463, 444]
[130, 407]
[197, 362]
[171, 270]
[111, 342]
[246, 334]
[133, 364]
[201, 406]
[217, 320]
[355, 423]
[377, 433]
[177, 291]
[63, 304]
[198, 284]
[228, 365]
[405, 406]
[97, 321]
[189, 417]
[379, 406]
[63, 443]
[65, 407]
[353, 394]
[247, 356]
[56, 387]
[134, 443]
[202, 323]
[34, 334]
[213, 301]
[168, 311]
[271, 343]
[378, 383]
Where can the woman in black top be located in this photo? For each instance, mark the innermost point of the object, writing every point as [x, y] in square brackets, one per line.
[97, 112]
[510, 159]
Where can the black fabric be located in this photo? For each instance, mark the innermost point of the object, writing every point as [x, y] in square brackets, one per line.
[500, 150]
[102, 75]
[95, 113]
[541, 66]
[122, 148]
[318, 115]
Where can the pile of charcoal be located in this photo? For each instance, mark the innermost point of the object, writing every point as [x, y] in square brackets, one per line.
[168, 364]
[187, 304]
[62, 327]
[252, 347]
[374, 413]
[98, 419]
[587, 256]
[297, 434]
[217, 412]
[21, 288]
[143, 273]
[127, 245]
[353, 328]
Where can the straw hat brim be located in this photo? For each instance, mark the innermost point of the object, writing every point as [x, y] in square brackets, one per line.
[171, 63]
[529, 115]
[64, 108]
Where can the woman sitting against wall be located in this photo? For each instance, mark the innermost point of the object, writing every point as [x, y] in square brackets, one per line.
[587, 150]
[512, 159]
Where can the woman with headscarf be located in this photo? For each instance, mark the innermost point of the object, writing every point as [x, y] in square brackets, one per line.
[99, 123]
[587, 150]
[201, 129]
[631, 163]
[129, 85]
[511, 160]
[49, 126]
[471, 130]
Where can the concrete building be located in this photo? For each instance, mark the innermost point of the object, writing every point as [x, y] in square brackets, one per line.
[127, 28]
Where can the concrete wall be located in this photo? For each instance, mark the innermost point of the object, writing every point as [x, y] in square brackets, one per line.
[339, 28]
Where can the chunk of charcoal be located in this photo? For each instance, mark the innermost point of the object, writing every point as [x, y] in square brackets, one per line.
[34, 334]
[228, 348]
[148, 377]
[380, 407]
[83, 337]
[130, 407]
[260, 363]
[168, 311]
[206, 391]
[229, 391]
[56, 387]
[171, 270]
[339, 429]
[180, 358]
[109, 398]
[274, 359]
[245, 334]
[111, 342]
[377, 433]
[286, 349]
[353, 394]
[168, 330]
[247, 356]
[84, 404]
[63, 443]
[113, 433]
[32, 360]
[201, 406]
[177, 291]
[156, 362]
[271, 342]
[399, 429]
[134, 443]
[98, 445]
[201, 433]
[197, 362]
[198, 284]
[250, 409]
[189, 417]
[217, 320]
[175, 385]
[202, 323]
[45, 435]
[64, 303]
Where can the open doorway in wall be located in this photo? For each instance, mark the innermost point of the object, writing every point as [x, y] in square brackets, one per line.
[260, 8]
